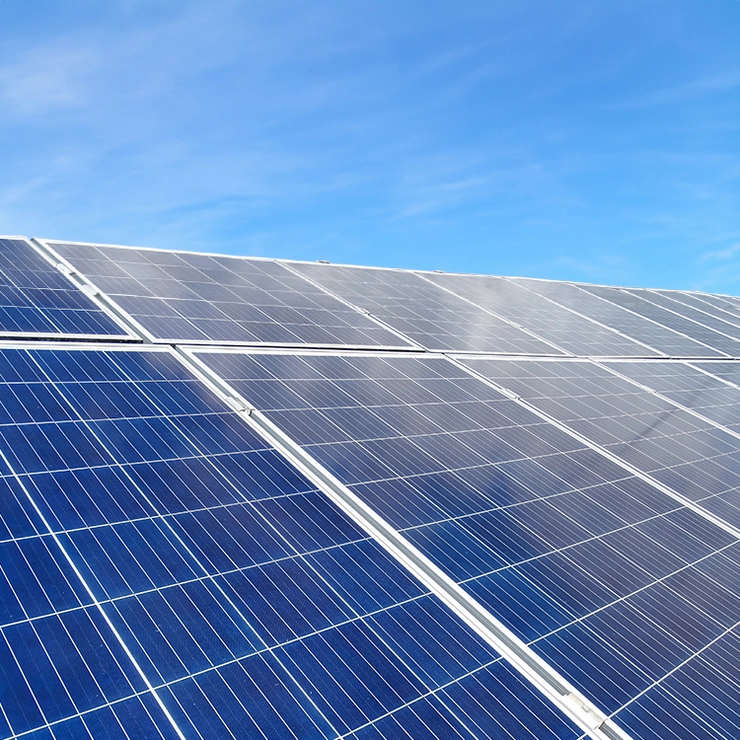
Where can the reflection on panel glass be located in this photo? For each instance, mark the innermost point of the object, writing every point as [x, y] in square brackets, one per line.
[694, 324]
[601, 573]
[432, 317]
[545, 318]
[665, 340]
[687, 453]
[705, 307]
[687, 385]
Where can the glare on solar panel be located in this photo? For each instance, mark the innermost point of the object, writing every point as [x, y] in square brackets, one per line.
[584, 561]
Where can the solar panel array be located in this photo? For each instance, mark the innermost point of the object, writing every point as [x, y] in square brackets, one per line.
[258, 498]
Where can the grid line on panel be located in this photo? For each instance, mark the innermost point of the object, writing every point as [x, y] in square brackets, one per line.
[709, 645]
[93, 598]
[623, 598]
[514, 651]
[77, 715]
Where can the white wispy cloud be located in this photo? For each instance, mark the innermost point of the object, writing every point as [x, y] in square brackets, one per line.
[44, 80]
[721, 254]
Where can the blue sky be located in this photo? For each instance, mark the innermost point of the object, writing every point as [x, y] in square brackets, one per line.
[593, 140]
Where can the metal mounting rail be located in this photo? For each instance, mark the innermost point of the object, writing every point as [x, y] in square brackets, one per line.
[99, 297]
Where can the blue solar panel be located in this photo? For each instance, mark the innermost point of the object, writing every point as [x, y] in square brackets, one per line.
[604, 575]
[186, 297]
[151, 517]
[37, 300]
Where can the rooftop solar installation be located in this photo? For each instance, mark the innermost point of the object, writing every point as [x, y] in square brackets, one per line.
[187, 297]
[248, 497]
[430, 316]
[37, 301]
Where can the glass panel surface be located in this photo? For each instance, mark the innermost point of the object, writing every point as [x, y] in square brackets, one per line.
[604, 575]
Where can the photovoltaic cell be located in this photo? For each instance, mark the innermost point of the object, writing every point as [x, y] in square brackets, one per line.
[37, 300]
[665, 340]
[605, 576]
[428, 315]
[179, 296]
[140, 511]
[566, 329]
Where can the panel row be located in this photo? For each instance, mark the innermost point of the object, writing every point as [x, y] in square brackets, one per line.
[198, 298]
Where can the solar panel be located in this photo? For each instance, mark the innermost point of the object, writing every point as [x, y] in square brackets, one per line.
[704, 310]
[690, 455]
[187, 297]
[166, 573]
[37, 301]
[638, 327]
[430, 316]
[688, 386]
[604, 575]
[693, 324]
[541, 316]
